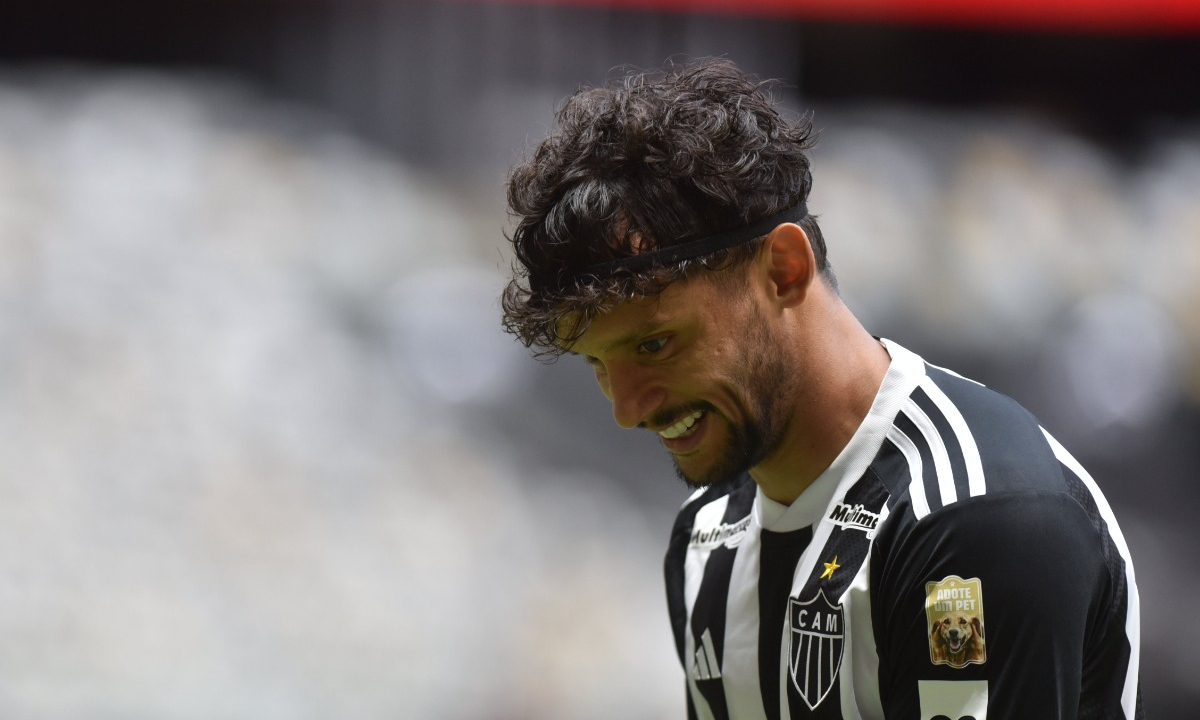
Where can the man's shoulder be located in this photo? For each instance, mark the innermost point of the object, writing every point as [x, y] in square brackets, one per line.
[969, 439]
[986, 407]
[731, 499]
[962, 456]
[714, 517]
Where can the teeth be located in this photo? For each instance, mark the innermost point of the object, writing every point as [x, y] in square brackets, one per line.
[682, 426]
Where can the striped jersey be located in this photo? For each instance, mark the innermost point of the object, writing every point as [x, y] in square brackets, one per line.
[953, 562]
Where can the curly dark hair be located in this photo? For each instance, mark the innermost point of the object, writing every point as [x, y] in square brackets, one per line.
[650, 161]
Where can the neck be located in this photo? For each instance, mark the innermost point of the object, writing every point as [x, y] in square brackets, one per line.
[840, 367]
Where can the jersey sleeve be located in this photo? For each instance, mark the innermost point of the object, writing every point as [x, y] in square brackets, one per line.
[988, 608]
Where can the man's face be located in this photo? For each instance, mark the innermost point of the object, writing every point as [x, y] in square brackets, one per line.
[699, 365]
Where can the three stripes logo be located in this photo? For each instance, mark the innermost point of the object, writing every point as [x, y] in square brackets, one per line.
[706, 666]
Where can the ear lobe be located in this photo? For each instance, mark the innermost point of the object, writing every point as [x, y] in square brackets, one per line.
[977, 626]
[793, 268]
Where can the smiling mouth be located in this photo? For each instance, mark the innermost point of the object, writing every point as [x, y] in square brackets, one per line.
[683, 428]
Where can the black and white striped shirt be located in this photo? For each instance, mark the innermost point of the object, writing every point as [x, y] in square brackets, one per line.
[954, 561]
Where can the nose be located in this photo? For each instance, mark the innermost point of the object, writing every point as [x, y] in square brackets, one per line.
[635, 393]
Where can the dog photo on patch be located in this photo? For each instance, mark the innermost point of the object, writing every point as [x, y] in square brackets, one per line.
[954, 609]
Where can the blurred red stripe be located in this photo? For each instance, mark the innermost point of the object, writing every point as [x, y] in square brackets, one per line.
[1170, 16]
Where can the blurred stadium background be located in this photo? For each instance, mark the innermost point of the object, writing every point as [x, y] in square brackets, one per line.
[264, 452]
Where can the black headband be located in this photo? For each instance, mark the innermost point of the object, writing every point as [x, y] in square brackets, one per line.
[700, 246]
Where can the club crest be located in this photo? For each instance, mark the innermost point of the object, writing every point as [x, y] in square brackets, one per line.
[954, 609]
[815, 648]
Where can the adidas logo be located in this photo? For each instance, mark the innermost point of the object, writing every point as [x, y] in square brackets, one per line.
[706, 666]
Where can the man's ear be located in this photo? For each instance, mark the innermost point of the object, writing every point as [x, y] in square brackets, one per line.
[792, 267]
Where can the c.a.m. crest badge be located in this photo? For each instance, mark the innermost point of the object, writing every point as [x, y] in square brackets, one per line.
[815, 649]
[954, 609]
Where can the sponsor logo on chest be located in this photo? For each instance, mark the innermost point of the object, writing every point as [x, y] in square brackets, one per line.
[854, 517]
[728, 534]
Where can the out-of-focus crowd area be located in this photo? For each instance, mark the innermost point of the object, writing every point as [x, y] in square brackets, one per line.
[265, 452]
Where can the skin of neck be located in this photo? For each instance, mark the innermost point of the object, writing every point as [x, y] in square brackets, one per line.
[840, 366]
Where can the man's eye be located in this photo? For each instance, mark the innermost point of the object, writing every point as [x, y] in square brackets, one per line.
[652, 346]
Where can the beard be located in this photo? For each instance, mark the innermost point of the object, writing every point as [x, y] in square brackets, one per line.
[763, 377]
[745, 448]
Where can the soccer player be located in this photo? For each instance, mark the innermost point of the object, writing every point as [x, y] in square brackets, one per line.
[871, 536]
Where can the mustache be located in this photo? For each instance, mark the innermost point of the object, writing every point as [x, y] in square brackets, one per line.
[670, 416]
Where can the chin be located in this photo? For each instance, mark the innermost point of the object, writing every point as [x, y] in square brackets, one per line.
[723, 472]
[729, 457]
